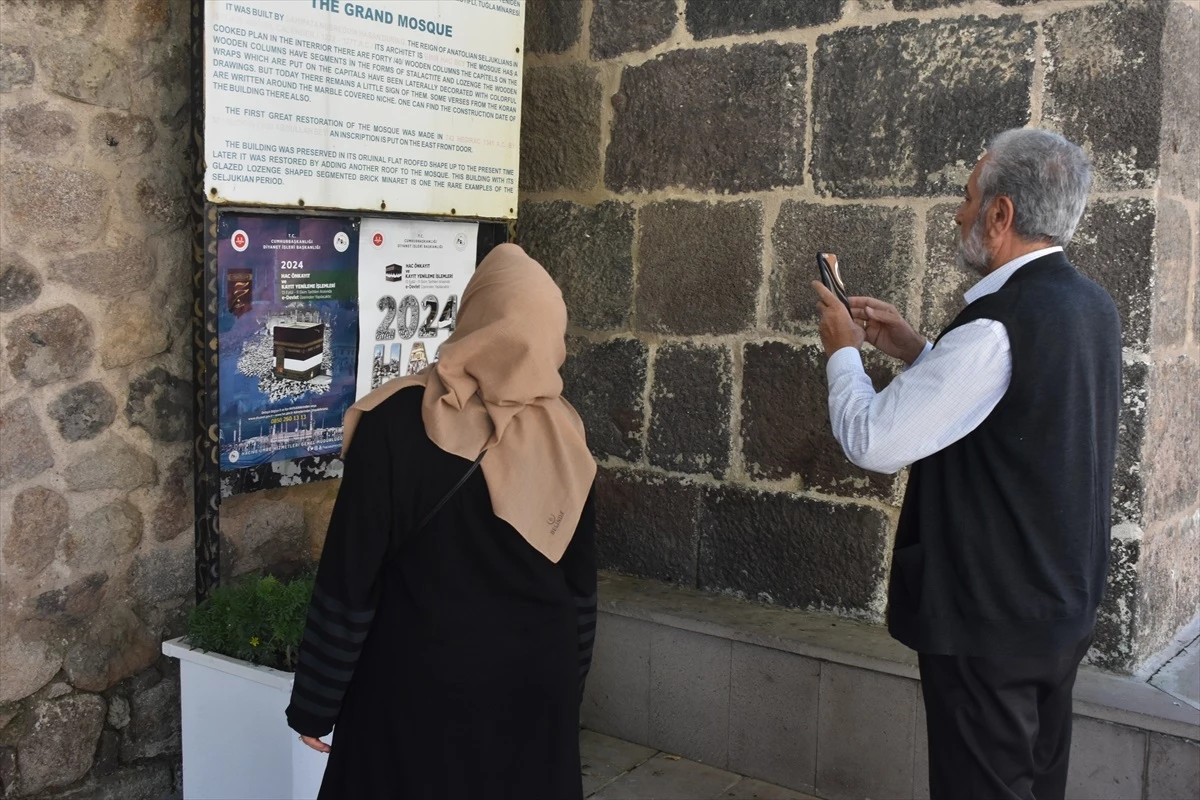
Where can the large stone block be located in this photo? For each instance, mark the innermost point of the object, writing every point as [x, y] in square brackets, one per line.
[623, 26]
[907, 108]
[27, 662]
[1172, 453]
[606, 382]
[72, 607]
[115, 645]
[617, 695]
[173, 512]
[1179, 154]
[16, 67]
[560, 128]
[160, 404]
[83, 411]
[153, 728]
[1168, 584]
[1114, 246]
[646, 525]
[690, 405]
[588, 250]
[945, 282]
[33, 129]
[39, 523]
[120, 136]
[708, 19]
[164, 575]
[1107, 761]
[133, 328]
[113, 463]
[791, 550]
[20, 283]
[689, 694]
[1173, 771]
[101, 535]
[1129, 479]
[1113, 644]
[80, 69]
[49, 346]
[60, 741]
[149, 781]
[785, 421]
[262, 535]
[24, 449]
[739, 129]
[107, 273]
[875, 253]
[552, 26]
[699, 267]
[1102, 63]
[1173, 245]
[53, 208]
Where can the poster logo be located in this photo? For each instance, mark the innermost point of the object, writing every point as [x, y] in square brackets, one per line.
[240, 241]
[460, 242]
[341, 241]
[377, 239]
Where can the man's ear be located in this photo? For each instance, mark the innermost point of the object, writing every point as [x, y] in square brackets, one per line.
[1000, 216]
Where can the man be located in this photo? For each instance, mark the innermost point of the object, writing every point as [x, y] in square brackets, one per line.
[1009, 421]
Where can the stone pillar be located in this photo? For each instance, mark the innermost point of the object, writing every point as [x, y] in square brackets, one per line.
[683, 159]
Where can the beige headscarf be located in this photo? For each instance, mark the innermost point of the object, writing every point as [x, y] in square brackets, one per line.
[496, 386]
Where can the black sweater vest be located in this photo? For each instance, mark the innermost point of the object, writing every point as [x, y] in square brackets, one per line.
[1002, 545]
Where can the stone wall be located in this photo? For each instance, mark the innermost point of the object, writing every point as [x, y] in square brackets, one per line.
[682, 160]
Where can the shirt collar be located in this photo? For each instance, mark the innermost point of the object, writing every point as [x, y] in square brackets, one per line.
[995, 280]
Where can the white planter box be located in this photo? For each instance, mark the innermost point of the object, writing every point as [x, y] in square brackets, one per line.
[236, 742]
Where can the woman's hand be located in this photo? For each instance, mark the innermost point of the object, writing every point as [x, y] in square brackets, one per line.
[315, 744]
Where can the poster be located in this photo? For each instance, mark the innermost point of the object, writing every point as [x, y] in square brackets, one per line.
[403, 106]
[288, 333]
[412, 274]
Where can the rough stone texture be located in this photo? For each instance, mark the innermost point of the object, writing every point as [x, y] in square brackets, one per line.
[173, 513]
[120, 136]
[24, 450]
[739, 129]
[1113, 246]
[560, 128]
[699, 267]
[263, 535]
[874, 246]
[111, 530]
[34, 129]
[39, 523]
[1129, 480]
[20, 283]
[1169, 582]
[690, 404]
[1173, 768]
[49, 346]
[16, 67]
[646, 525]
[708, 19]
[131, 332]
[108, 752]
[1171, 460]
[1113, 643]
[85, 71]
[877, 91]
[59, 209]
[166, 574]
[27, 662]
[111, 464]
[107, 273]
[153, 781]
[552, 26]
[785, 421]
[1104, 87]
[154, 722]
[623, 26]
[1179, 145]
[1173, 242]
[160, 404]
[73, 605]
[793, 551]
[84, 411]
[606, 383]
[162, 202]
[588, 250]
[945, 283]
[118, 712]
[61, 741]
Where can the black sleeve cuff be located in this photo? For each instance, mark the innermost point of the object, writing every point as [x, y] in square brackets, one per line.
[307, 724]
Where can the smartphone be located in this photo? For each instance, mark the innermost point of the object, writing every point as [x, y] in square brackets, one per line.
[827, 265]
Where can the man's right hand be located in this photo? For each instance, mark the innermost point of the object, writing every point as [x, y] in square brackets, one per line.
[887, 330]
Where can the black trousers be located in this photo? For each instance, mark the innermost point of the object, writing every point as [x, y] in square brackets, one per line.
[999, 728]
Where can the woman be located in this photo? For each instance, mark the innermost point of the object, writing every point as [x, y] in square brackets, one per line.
[451, 655]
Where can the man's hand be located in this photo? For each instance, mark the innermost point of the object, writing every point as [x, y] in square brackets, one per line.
[838, 330]
[886, 329]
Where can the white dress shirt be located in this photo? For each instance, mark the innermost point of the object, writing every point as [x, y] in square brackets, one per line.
[944, 395]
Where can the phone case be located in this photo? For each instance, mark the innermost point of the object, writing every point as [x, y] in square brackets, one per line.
[827, 265]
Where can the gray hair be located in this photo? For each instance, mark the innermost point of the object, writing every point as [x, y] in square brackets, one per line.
[1046, 177]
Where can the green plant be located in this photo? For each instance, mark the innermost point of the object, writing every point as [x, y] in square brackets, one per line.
[257, 619]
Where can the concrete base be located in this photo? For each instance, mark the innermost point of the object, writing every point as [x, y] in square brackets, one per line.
[832, 707]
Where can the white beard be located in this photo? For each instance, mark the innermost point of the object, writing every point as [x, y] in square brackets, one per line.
[972, 255]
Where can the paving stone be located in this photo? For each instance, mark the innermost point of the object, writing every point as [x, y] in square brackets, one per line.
[785, 428]
[1107, 761]
[666, 777]
[588, 250]
[617, 694]
[875, 249]
[750, 789]
[1172, 470]
[603, 759]
[740, 129]
[921, 750]
[160, 404]
[16, 67]
[625, 26]
[791, 551]
[689, 694]
[20, 283]
[552, 26]
[560, 128]
[708, 19]
[646, 525]
[606, 382]
[1100, 62]
[120, 136]
[1129, 479]
[773, 716]
[83, 70]
[1173, 772]
[25, 452]
[60, 209]
[49, 346]
[849, 696]
[945, 283]
[34, 129]
[1179, 153]
[699, 267]
[83, 411]
[61, 742]
[902, 76]
[107, 273]
[113, 463]
[690, 405]
[1114, 246]
[1113, 640]
[1173, 246]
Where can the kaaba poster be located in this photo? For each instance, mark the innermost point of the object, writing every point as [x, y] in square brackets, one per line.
[288, 335]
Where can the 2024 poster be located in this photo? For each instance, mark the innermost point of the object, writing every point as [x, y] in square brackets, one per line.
[288, 333]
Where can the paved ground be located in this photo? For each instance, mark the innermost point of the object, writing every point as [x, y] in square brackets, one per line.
[617, 770]
[1180, 677]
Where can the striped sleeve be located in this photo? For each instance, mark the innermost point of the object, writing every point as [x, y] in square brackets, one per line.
[343, 602]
